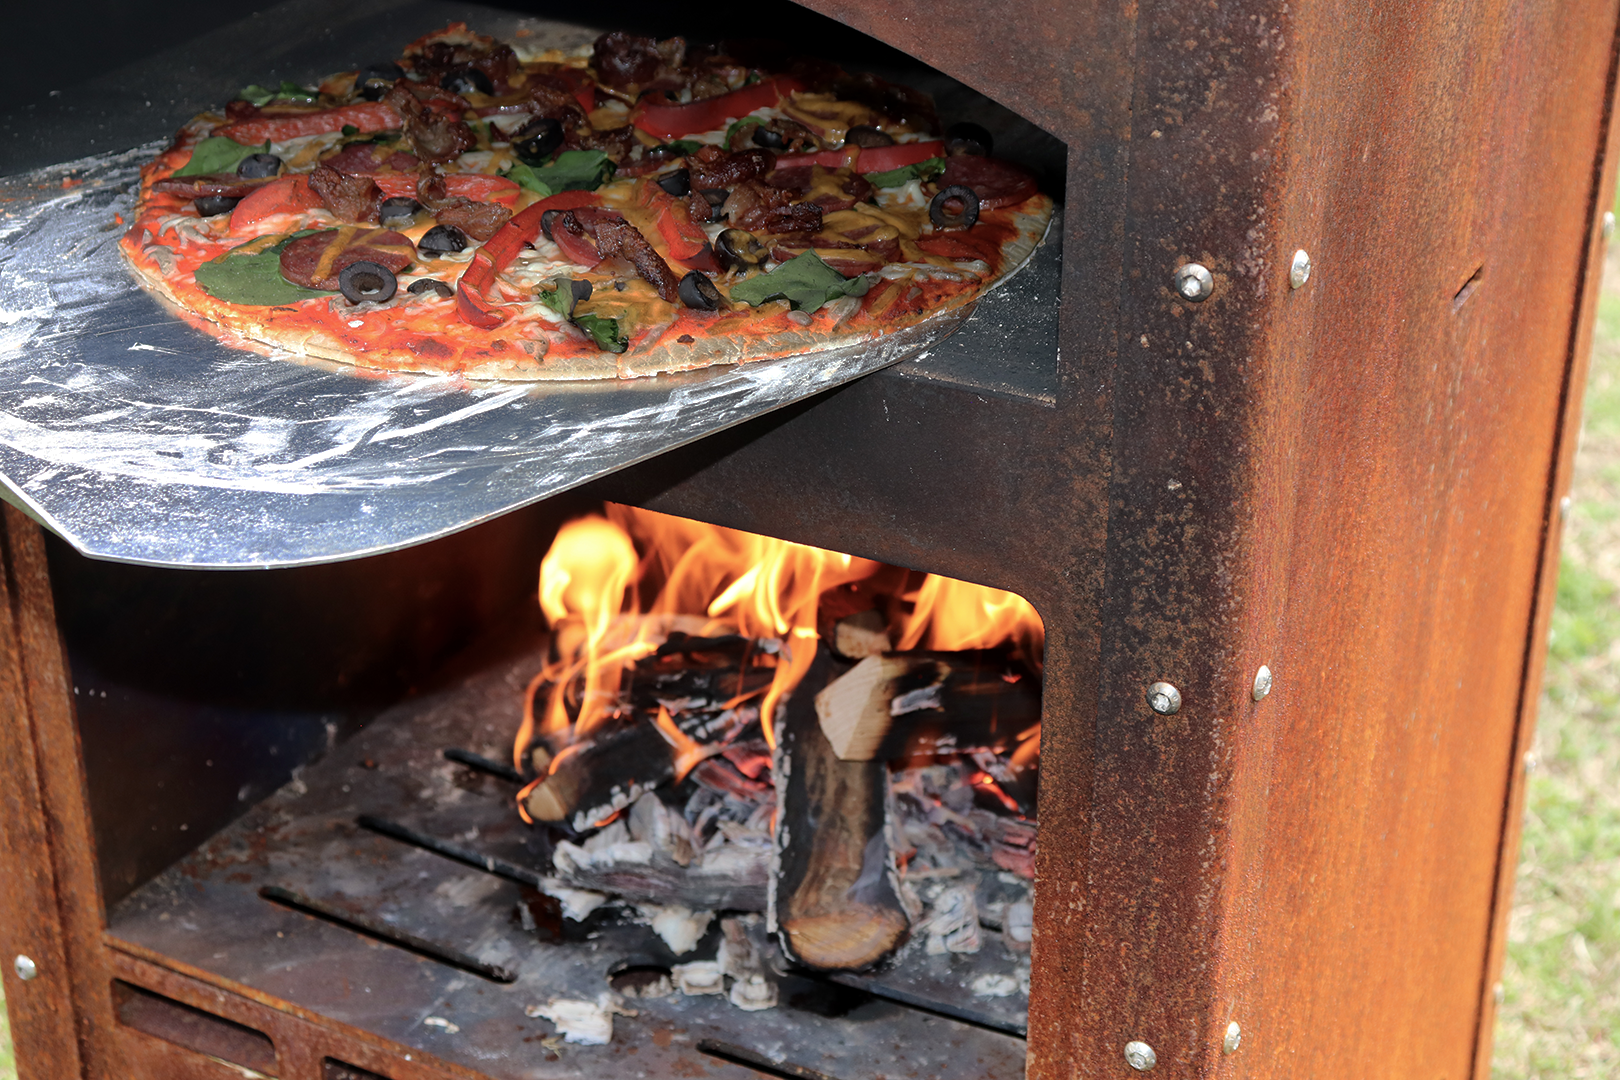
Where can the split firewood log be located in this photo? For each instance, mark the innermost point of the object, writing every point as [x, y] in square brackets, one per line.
[926, 703]
[835, 906]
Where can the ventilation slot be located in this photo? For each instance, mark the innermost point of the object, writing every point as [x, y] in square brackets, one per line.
[196, 1030]
[333, 1069]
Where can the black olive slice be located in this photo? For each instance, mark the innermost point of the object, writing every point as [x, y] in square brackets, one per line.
[697, 291]
[442, 240]
[214, 205]
[738, 249]
[258, 166]
[546, 220]
[362, 281]
[955, 207]
[716, 197]
[581, 289]
[466, 80]
[429, 285]
[677, 183]
[400, 210]
[536, 141]
[770, 140]
[968, 138]
[375, 80]
[866, 136]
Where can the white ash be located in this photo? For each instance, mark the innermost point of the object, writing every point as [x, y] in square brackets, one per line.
[994, 985]
[577, 904]
[753, 993]
[751, 988]
[953, 923]
[1018, 926]
[589, 1023]
[653, 823]
[699, 977]
[681, 928]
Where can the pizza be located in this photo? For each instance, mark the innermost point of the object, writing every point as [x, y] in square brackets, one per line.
[635, 207]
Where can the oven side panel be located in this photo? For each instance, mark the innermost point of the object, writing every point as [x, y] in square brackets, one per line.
[50, 909]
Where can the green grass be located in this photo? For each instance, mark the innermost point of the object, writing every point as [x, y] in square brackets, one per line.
[1560, 1013]
[8, 1064]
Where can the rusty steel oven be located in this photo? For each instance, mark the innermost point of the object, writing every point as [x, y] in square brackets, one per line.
[1277, 452]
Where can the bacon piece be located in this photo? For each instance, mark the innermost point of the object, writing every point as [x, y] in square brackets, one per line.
[435, 136]
[479, 220]
[351, 198]
[194, 187]
[623, 238]
[698, 207]
[712, 167]
[316, 261]
[757, 207]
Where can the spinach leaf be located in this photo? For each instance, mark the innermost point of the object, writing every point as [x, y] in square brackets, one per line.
[680, 146]
[217, 154]
[922, 170]
[251, 274]
[736, 126]
[288, 91]
[523, 176]
[605, 332]
[574, 170]
[803, 281]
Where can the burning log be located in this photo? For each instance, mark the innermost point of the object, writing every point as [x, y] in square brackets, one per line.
[591, 780]
[657, 859]
[911, 704]
[835, 906]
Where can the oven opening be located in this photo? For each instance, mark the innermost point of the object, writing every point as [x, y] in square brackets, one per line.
[695, 793]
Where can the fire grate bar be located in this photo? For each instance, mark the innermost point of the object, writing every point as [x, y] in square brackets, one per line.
[483, 764]
[741, 1055]
[376, 928]
[937, 1004]
[487, 863]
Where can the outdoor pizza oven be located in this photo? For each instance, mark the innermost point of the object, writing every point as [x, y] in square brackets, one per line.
[1275, 441]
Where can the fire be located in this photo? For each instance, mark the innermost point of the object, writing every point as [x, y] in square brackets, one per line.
[609, 607]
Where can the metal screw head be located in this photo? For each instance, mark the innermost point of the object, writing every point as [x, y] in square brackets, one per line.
[1234, 1035]
[1140, 1056]
[1563, 508]
[1193, 282]
[1163, 698]
[1608, 224]
[25, 968]
[1299, 271]
[1262, 682]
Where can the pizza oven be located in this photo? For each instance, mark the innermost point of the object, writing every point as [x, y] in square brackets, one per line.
[1273, 434]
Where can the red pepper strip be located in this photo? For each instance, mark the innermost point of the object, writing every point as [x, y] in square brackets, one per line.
[497, 254]
[684, 239]
[673, 121]
[872, 160]
[585, 94]
[370, 116]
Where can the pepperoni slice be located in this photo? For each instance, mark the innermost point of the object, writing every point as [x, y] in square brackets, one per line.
[367, 116]
[995, 182]
[316, 261]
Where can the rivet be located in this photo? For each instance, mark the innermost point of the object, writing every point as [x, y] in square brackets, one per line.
[1299, 271]
[1234, 1036]
[1140, 1056]
[1163, 698]
[1194, 282]
[1563, 508]
[25, 968]
[1608, 224]
[1262, 682]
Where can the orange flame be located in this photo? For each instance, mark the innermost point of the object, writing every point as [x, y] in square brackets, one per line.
[949, 614]
[715, 581]
[688, 751]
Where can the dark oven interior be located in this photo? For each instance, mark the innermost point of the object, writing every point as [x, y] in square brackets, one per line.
[262, 714]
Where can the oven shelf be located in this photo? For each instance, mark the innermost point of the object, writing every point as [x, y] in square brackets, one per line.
[208, 913]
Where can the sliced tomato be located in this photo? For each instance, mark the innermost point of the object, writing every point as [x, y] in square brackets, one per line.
[367, 116]
[672, 121]
[288, 195]
[499, 251]
[681, 235]
[875, 159]
[479, 187]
